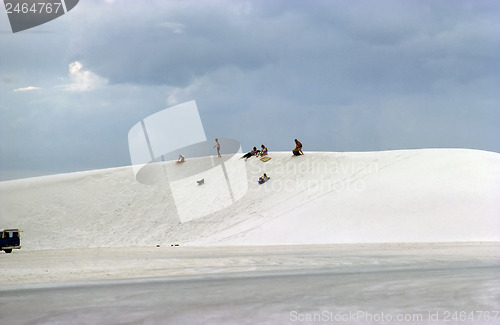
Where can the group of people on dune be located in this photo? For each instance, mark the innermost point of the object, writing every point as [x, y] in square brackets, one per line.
[262, 152]
[254, 152]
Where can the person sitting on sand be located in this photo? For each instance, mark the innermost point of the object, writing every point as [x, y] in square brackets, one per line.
[263, 152]
[298, 148]
[254, 152]
[181, 159]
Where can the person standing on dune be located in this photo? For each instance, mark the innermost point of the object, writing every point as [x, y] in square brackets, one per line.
[217, 145]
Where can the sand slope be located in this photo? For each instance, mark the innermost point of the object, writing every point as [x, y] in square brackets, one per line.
[432, 195]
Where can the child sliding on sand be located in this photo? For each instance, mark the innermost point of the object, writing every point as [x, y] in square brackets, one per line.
[263, 179]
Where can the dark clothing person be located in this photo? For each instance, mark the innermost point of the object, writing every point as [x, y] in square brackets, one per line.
[254, 152]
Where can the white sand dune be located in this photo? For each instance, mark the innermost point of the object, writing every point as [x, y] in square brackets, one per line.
[431, 195]
[445, 198]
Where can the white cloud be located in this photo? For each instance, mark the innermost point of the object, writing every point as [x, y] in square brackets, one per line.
[83, 80]
[176, 28]
[27, 88]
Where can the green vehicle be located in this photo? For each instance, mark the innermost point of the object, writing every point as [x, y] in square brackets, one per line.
[10, 239]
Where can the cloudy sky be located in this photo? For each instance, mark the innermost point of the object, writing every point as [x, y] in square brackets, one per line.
[339, 75]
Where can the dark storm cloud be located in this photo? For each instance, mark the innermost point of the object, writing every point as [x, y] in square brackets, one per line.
[361, 42]
[169, 45]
